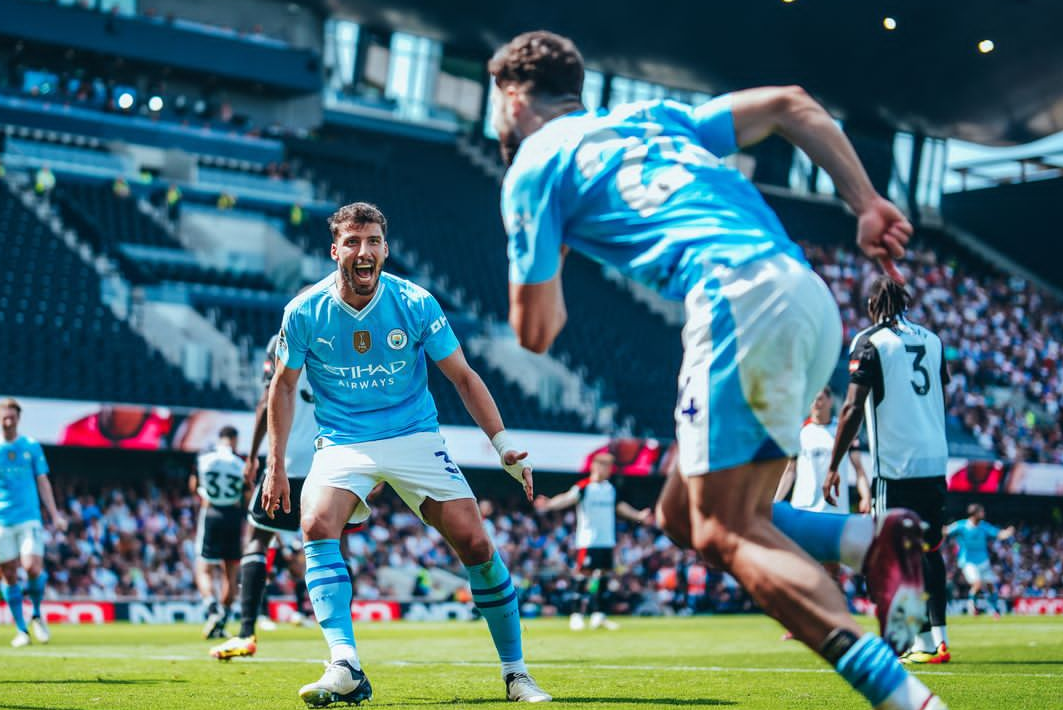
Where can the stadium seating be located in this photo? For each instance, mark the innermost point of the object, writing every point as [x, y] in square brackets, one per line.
[115, 219]
[62, 341]
[115, 226]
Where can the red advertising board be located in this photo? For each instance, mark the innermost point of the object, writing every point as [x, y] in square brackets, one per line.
[1035, 606]
[76, 612]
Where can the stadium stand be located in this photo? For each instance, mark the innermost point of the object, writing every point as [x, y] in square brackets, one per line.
[67, 344]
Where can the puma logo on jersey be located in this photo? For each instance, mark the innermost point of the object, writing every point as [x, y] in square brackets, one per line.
[328, 342]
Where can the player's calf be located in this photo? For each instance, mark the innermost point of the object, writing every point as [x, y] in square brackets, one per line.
[872, 669]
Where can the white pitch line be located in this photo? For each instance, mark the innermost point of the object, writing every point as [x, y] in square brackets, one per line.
[547, 664]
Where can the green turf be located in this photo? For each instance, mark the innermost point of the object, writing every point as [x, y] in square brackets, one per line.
[732, 661]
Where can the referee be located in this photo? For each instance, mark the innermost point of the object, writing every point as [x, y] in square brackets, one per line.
[897, 378]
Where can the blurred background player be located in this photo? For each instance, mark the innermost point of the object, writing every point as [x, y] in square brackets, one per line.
[973, 535]
[897, 376]
[24, 489]
[362, 336]
[642, 187]
[219, 483]
[597, 506]
[266, 529]
[807, 473]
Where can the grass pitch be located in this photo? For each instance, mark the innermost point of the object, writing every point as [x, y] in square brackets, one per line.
[732, 661]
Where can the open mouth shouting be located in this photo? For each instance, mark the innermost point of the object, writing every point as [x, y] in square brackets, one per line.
[363, 276]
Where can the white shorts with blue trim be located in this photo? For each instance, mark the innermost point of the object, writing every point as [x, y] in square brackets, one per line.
[760, 341]
[416, 466]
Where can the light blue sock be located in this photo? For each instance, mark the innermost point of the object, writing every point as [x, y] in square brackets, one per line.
[872, 669]
[818, 534]
[13, 597]
[329, 587]
[35, 591]
[495, 597]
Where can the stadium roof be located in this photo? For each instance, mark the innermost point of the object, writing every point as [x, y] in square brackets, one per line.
[928, 74]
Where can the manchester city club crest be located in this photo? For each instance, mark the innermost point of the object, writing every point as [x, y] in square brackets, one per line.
[362, 341]
[397, 339]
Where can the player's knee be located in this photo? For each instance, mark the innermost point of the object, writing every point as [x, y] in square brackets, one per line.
[474, 548]
[676, 527]
[316, 528]
[716, 542]
[9, 570]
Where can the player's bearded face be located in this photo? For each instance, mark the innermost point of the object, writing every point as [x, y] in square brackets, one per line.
[505, 126]
[360, 251]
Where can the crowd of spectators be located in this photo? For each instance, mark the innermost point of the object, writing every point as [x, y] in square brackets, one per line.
[1002, 338]
[139, 543]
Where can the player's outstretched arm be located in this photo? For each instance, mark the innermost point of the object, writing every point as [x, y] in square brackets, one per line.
[483, 410]
[849, 420]
[280, 411]
[629, 512]
[569, 498]
[788, 111]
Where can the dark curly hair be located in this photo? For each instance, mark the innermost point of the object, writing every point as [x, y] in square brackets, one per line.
[546, 63]
[357, 213]
[887, 300]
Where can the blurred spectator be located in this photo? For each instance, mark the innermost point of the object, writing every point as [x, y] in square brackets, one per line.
[120, 188]
[44, 182]
[226, 201]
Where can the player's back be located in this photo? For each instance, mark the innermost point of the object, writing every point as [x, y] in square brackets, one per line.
[21, 461]
[221, 477]
[642, 187]
[905, 408]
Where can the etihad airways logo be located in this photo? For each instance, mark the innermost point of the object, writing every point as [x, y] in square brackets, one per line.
[358, 372]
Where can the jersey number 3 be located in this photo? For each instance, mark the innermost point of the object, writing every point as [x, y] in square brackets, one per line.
[921, 388]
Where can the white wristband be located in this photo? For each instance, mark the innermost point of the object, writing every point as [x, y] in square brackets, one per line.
[502, 443]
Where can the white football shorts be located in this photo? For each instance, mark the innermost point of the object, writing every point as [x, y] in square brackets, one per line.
[416, 466]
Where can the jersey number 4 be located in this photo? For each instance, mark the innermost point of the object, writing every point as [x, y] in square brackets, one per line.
[921, 388]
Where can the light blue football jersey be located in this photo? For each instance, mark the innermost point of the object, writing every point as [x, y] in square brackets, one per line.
[642, 188]
[21, 461]
[367, 367]
[973, 540]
